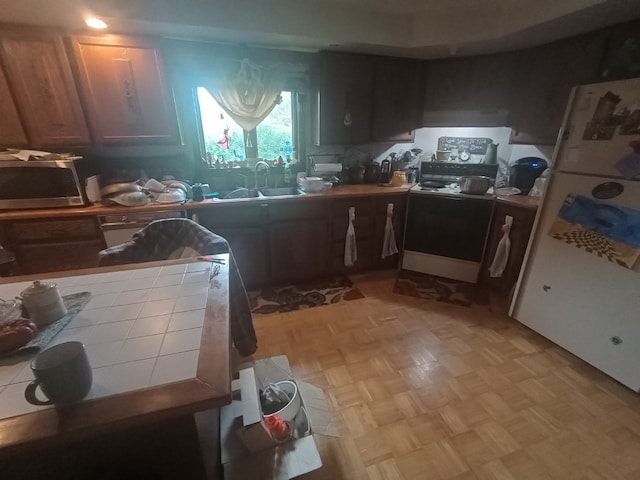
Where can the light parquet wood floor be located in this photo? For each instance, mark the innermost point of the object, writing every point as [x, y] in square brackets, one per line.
[422, 390]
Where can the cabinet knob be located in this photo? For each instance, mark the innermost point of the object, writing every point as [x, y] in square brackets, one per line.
[546, 288]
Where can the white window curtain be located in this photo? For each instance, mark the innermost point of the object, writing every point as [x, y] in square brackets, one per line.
[248, 92]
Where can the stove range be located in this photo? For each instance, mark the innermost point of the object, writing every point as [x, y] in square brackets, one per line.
[449, 190]
[441, 178]
[446, 229]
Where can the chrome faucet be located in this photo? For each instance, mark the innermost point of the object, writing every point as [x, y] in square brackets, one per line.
[261, 163]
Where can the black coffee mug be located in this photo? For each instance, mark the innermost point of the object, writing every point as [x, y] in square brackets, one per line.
[198, 194]
[62, 372]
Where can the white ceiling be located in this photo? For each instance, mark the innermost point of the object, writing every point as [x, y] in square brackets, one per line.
[412, 28]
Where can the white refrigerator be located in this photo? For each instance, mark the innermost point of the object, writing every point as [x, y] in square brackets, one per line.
[580, 284]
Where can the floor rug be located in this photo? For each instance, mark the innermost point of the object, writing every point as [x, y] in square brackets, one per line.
[303, 295]
[440, 289]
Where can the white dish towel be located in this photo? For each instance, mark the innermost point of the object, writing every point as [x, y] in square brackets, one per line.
[350, 247]
[389, 246]
[502, 252]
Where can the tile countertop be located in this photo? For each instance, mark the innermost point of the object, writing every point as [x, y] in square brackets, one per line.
[142, 328]
[97, 209]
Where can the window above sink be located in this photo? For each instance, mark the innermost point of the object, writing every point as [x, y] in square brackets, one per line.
[224, 141]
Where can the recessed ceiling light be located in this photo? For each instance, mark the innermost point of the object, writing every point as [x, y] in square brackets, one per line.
[96, 23]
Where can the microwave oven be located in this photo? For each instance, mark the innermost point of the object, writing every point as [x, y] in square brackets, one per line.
[41, 183]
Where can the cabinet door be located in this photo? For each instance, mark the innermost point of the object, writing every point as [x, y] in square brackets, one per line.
[40, 77]
[344, 103]
[298, 250]
[123, 83]
[519, 237]
[399, 214]
[544, 78]
[243, 227]
[249, 247]
[55, 244]
[11, 132]
[447, 85]
[58, 257]
[364, 227]
[396, 100]
[491, 82]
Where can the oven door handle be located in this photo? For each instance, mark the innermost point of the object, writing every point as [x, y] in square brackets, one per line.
[116, 225]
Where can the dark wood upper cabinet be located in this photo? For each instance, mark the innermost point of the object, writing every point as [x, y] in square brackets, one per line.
[622, 57]
[40, 77]
[124, 88]
[447, 84]
[472, 83]
[396, 99]
[544, 78]
[343, 111]
[11, 132]
[490, 84]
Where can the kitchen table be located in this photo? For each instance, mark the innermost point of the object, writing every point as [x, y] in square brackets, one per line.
[157, 337]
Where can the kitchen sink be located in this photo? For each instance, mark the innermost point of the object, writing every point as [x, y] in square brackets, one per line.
[253, 193]
[281, 191]
[239, 193]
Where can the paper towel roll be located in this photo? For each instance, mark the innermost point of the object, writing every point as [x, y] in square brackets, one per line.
[327, 167]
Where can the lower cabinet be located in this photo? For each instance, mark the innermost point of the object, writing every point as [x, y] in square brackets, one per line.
[298, 250]
[369, 226]
[519, 235]
[289, 241]
[50, 245]
[298, 233]
[244, 228]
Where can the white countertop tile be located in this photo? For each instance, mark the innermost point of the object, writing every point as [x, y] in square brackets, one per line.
[196, 277]
[150, 326]
[11, 368]
[132, 296]
[194, 289]
[163, 293]
[174, 269]
[13, 401]
[165, 281]
[199, 267]
[108, 332]
[138, 284]
[173, 368]
[148, 272]
[186, 320]
[101, 301]
[161, 307]
[139, 348]
[192, 302]
[141, 327]
[104, 354]
[124, 377]
[181, 341]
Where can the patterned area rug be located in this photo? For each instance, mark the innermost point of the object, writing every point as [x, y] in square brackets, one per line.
[440, 289]
[303, 295]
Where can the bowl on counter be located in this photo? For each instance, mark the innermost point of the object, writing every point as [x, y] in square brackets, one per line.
[475, 184]
[311, 184]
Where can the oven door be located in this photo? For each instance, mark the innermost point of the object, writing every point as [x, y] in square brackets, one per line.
[446, 236]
